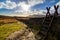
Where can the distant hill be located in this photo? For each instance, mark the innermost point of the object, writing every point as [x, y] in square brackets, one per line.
[29, 18]
[7, 19]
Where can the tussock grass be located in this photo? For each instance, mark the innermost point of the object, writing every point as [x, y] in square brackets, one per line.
[7, 29]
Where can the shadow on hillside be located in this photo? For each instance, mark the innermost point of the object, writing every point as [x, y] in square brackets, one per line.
[35, 24]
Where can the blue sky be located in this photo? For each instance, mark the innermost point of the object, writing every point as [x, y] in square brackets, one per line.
[10, 6]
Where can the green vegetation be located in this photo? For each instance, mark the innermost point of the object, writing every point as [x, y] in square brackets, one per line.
[7, 29]
[35, 26]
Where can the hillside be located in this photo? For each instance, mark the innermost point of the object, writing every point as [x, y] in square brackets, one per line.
[32, 23]
[9, 25]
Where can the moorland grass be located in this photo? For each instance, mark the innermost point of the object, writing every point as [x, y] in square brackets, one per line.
[7, 29]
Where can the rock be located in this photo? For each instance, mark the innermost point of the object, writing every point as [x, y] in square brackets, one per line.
[24, 34]
[31, 36]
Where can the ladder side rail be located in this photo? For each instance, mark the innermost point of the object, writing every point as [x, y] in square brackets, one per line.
[48, 14]
[49, 28]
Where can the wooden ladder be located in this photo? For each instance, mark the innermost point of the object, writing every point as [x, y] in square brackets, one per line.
[46, 24]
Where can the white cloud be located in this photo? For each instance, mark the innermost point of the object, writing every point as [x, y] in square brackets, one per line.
[41, 12]
[34, 2]
[1, 4]
[25, 6]
[53, 1]
[22, 5]
[8, 5]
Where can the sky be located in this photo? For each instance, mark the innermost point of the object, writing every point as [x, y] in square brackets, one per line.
[9, 7]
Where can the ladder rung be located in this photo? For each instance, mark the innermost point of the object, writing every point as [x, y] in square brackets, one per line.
[43, 33]
[47, 19]
[44, 26]
[46, 22]
[44, 29]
